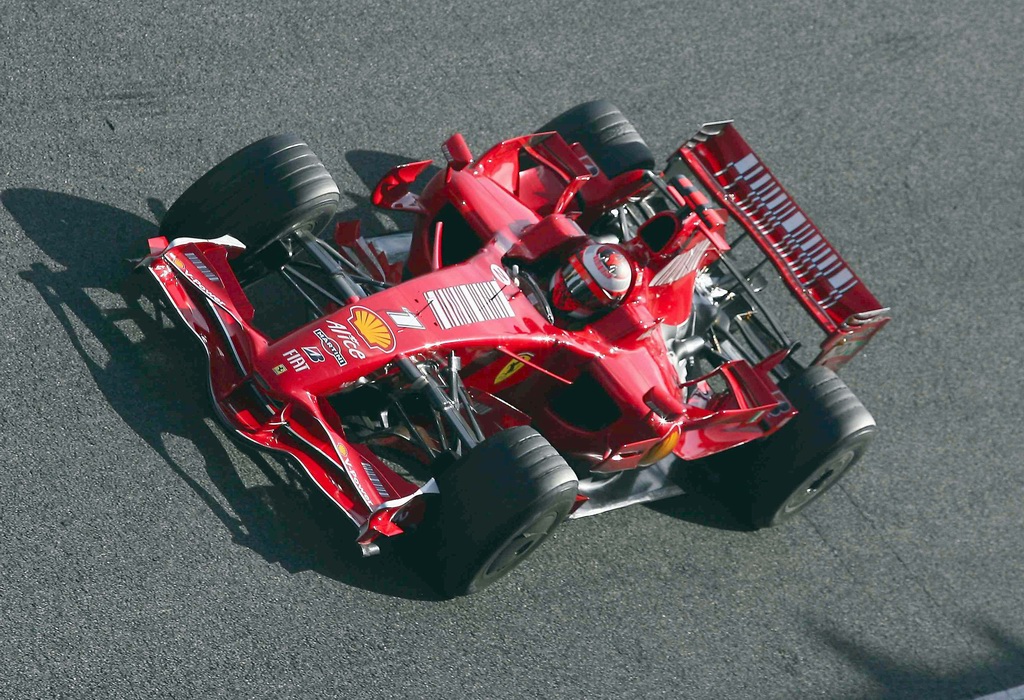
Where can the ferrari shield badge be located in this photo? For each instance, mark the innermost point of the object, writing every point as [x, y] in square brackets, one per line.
[512, 367]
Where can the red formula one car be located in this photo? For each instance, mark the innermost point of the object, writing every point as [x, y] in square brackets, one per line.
[566, 330]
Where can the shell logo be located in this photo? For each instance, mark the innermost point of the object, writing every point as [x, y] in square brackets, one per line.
[372, 328]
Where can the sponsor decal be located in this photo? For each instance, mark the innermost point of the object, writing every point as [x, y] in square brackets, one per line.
[280, 369]
[405, 319]
[203, 267]
[512, 367]
[607, 262]
[374, 330]
[178, 263]
[375, 479]
[590, 165]
[500, 275]
[313, 353]
[468, 303]
[350, 472]
[331, 347]
[347, 339]
[297, 361]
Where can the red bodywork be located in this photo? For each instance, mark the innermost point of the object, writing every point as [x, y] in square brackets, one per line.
[519, 204]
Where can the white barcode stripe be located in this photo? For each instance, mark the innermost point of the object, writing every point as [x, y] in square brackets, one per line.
[746, 163]
[438, 307]
[458, 314]
[469, 303]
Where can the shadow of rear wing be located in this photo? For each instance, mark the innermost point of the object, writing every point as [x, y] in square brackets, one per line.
[815, 272]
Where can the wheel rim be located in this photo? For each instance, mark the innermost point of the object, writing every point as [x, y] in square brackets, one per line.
[820, 480]
[311, 223]
[255, 263]
[519, 546]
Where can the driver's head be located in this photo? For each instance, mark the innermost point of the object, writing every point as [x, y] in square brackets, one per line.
[595, 278]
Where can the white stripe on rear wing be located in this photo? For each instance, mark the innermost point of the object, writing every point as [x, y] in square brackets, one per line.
[815, 272]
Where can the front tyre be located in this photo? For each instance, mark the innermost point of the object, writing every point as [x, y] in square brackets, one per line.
[498, 504]
[261, 195]
[605, 134]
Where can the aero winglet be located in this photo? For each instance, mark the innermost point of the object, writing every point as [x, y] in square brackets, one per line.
[817, 275]
[392, 192]
[731, 171]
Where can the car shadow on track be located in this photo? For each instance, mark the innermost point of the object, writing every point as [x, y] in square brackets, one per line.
[900, 680]
[100, 304]
[700, 509]
[710, 496]
[370, 166]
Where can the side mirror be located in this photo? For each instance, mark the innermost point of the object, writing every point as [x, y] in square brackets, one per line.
[457, 152]
[392, 192]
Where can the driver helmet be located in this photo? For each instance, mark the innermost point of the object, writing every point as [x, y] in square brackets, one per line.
[595, 278]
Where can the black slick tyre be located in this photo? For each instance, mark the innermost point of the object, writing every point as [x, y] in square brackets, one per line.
[606, 135]
[259, 195]
[808, 455]
[497, 505]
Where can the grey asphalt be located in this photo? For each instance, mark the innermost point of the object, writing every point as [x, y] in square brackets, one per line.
[142, 554]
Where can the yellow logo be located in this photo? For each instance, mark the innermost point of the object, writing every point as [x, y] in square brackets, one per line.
[280, 369]
[372, 328]
[512, 367]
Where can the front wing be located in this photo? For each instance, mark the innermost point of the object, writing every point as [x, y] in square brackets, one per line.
[194, 276]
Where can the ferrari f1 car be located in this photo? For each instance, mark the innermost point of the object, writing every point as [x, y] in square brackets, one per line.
[565, 330]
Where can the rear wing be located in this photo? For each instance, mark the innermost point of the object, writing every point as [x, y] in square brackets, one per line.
[815, 272]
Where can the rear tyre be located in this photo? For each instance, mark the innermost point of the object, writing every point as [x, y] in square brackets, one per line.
[260, 195]
[812, 452]
[606, 135]
[498, 504]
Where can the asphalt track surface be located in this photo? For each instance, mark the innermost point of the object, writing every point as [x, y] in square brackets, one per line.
[143, 554]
